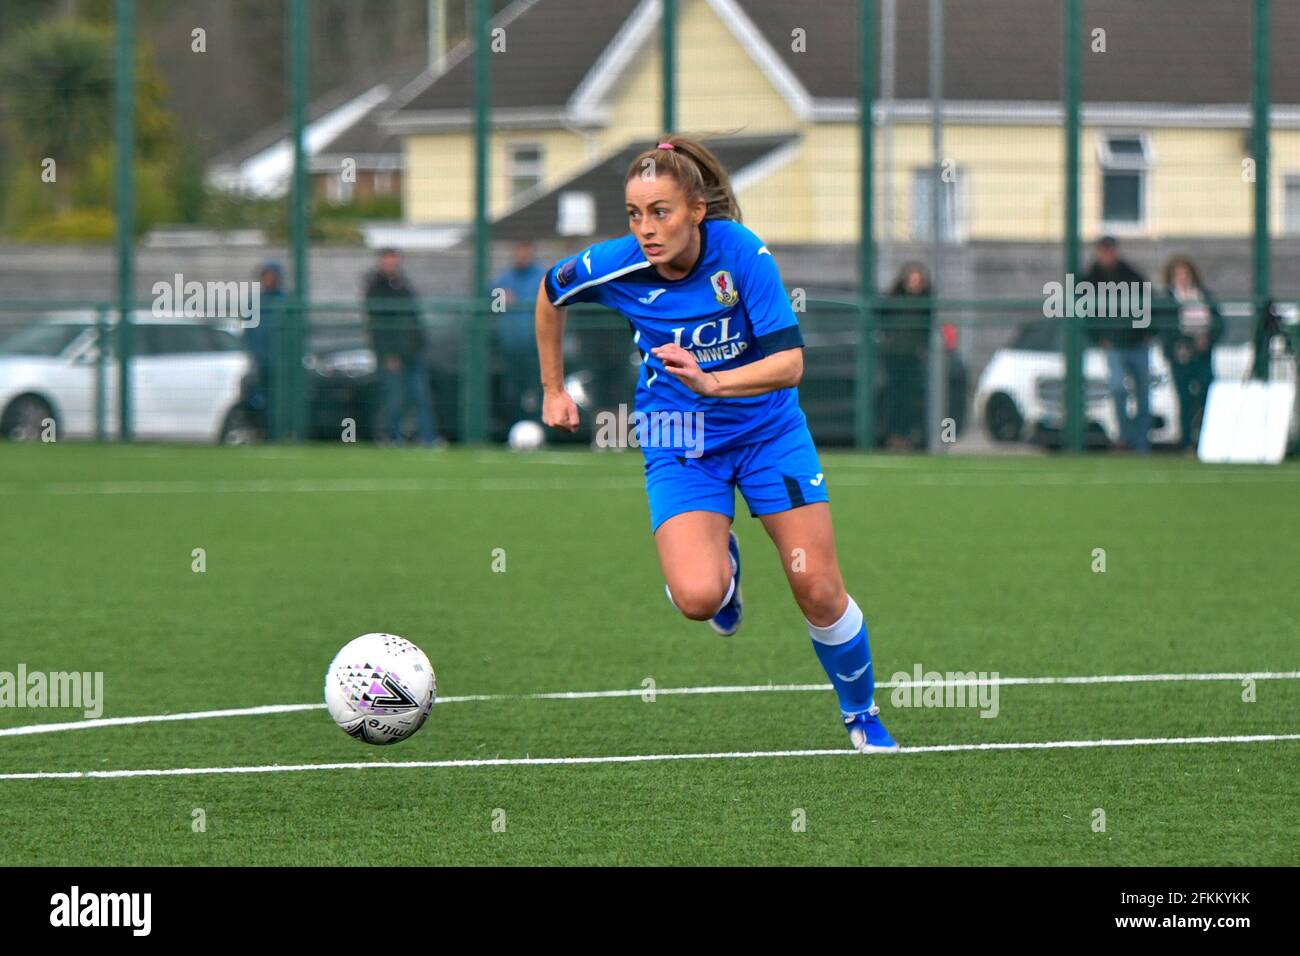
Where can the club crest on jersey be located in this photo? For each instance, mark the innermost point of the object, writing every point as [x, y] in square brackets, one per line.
[724, 287]
[566, 273]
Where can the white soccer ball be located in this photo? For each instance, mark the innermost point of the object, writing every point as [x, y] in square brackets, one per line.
[380, 688]
[526, 436]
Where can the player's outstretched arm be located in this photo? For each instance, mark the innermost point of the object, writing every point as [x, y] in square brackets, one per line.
[558, 408]
[782, 369]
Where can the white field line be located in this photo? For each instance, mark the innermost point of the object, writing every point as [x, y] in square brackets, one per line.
[318, 486]
[638, 758]
[50, 728]
[571, 482]
[94, 722]
[539, 458]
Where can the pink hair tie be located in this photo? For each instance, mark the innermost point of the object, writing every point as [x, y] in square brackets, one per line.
[666, 146]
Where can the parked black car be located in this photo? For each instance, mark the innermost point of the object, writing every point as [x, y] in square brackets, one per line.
[601, 364]
[831, 339]
[343, 379]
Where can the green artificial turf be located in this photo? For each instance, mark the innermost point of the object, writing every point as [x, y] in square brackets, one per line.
[979, 565]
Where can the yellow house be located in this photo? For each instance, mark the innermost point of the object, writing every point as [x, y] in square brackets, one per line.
[576, 85]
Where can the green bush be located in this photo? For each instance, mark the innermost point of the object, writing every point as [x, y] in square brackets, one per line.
[76, 225]
[375, 207]
[56, 87]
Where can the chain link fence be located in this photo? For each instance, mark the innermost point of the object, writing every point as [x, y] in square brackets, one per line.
[247, 300]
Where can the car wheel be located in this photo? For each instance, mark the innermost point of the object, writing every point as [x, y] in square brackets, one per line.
[25, 419]
[1002, 419]
[240, 427]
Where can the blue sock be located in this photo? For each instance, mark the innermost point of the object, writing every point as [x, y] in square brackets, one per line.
[845, 654]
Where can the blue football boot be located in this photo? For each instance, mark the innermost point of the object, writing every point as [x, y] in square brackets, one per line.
[867, 734]
[727, 621]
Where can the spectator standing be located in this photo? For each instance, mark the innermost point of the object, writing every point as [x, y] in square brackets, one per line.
[262, 339]
[1127, 348]
[904, 346]
[400, 346]
[1189, 343]
[515, 333]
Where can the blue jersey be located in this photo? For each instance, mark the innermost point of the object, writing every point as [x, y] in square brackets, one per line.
[730, 310]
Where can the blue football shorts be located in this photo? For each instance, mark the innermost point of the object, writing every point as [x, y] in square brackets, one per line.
[774, 475]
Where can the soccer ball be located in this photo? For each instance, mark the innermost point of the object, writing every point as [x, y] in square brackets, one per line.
[526, 436]
[380, 688]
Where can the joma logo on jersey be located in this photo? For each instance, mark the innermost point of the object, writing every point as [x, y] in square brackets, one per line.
[724, 287]
[712, 341]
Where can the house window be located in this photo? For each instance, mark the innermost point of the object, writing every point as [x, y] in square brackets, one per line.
[1124, 160]
[1291, 206]
[576, 214]
[952, 223]
[383, 184]
[523, 167]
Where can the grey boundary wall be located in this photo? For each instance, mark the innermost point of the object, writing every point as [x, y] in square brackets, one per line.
[971, 270]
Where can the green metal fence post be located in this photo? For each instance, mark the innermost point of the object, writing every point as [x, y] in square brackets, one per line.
[124, 116]
[101, 371]
[669, 72]
[1075, 425]
[292, 339]
[475, 385]
[1261, 279]
[864, 404]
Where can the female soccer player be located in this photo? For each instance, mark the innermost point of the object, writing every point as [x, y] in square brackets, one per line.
[717, 406]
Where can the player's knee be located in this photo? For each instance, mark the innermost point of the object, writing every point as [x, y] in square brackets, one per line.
[698, 602]
[822, 599]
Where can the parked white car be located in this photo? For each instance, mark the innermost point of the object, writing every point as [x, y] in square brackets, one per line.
[1020, 392]
[187, 379]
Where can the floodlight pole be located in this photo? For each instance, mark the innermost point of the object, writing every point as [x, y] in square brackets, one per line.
[475, 387]
[669, 71]
[292, 384]
[936, 404]
[1074, 339]
[864, 398]
[1261, 278]
[124, 123]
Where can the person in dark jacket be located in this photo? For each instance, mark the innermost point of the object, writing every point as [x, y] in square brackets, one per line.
[904, 346]
[400, 347]
[1189, 338]
[1127, 347]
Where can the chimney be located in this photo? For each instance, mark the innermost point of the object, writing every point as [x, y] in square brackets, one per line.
[437, 31]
